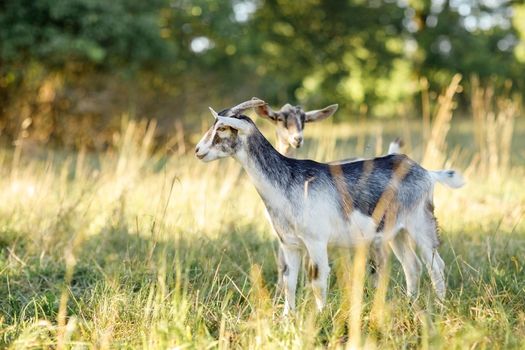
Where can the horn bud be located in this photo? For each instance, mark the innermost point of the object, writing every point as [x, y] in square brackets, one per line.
[215, 114]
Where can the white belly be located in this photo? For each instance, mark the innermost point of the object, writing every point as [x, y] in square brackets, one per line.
[348, 233]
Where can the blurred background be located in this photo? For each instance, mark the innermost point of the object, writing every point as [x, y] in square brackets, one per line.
[114, 235]
[72, 70]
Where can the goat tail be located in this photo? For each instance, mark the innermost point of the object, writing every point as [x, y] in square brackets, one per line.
[451, 178]
[395, 146]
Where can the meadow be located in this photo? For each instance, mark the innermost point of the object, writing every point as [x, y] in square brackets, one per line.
[144, 246]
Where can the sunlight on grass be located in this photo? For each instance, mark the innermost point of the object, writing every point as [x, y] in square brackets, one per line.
[140, 248]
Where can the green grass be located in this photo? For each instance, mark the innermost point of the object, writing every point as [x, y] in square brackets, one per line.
[134, 249]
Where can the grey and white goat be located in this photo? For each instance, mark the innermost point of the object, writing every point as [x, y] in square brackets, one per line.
[289, 124]
[385, 200]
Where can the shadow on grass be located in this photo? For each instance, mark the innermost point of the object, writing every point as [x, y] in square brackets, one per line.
[481, 269]
[120, 261]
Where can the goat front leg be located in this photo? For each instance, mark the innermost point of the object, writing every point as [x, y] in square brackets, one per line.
[318, 272]
[290, 271]
[281, 263]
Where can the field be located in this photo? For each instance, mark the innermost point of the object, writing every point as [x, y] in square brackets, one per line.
[143, 247]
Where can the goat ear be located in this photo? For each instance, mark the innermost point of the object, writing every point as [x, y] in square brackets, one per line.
[240, 125]
[320, 114]
[265, 111]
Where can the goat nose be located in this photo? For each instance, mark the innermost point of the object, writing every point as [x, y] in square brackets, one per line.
[197, 149]
[298, 139]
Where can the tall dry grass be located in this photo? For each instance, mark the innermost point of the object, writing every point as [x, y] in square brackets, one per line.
[149, 248]
[494, 117]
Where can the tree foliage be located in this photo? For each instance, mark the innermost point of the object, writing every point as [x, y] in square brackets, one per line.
[61, 33]
[355, 52]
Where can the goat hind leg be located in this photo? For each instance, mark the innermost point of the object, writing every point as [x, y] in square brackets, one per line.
[423, 230]
[402, 248]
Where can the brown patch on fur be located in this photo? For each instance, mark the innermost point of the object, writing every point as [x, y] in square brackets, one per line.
[399, 141]
[226, 144]
[313, 271]
[293, 124]
[345, 199]
[430, 207]
[284, 270]
[372, 265]
[216, 139]
[385, 212]
[430, 211]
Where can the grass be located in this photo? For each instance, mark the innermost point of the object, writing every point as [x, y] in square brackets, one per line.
[137, 248]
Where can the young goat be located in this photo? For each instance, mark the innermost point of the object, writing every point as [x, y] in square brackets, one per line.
[314, 205]
[289, 123]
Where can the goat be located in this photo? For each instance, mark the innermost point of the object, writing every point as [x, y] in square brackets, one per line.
[290, 121]
[315, 205]
[289, 124]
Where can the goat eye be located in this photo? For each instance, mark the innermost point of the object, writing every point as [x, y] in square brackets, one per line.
[221, 128]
